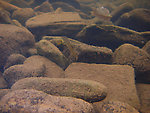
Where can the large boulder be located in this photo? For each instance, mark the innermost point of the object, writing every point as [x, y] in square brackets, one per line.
[144, 96]
[33, 101]
[119, 79]
[137, 19]
[128, 54]
[14, 39]
[52, 70]
[87, 90]
[110, 36]
[55, 23]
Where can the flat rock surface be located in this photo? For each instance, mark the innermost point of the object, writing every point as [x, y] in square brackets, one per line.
[119, 79]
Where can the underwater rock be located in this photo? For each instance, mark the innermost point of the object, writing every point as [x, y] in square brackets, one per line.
[146, 47]
[137, 19]
[116, 107]
[87, 90]
[50, 51]
[4, 92]
[44, 7]
[119, 79]
[16, 72]
[3, 83]
[144, 96]
[52, 70]
[8, 7]
[23, 14]
[14, 59]
[81, 52]
[74, 3]
[128, 54]
[110, 36]
[14, 39]
[123, 8]
[53, 23]
[5, 17]
[64, 44]
[33, 101]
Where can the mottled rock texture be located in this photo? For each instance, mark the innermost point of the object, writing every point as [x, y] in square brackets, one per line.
[33, 101]
[87, 90]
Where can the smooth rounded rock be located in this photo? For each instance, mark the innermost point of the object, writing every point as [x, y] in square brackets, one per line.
[87, 90]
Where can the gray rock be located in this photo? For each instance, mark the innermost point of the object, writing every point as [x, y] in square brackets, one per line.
[32, 101]
[119, 79]
[87, 90]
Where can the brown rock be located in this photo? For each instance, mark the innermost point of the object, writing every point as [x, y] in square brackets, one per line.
[52, 70]
[55, 23]
[81, 52]
[32, 101]
[3, 83]
[110, 36]
[116, 107]
[123, 8]
[14, 59]
[7, 6]
[87, 90]
[128, 54]
[137, 19]
[5, 17]
[22, 15]
[143, 91]
[14, 39]
[16, 72]
[119, 79]
[4, 92]
[44, 7]
[146, 47]
[50, 51]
